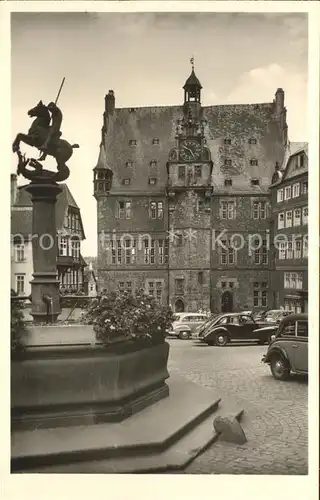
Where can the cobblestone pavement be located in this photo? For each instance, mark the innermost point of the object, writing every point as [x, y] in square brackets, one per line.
[275, 418]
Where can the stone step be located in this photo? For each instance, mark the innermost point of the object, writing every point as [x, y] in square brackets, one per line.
[152, 430]
[174, 458]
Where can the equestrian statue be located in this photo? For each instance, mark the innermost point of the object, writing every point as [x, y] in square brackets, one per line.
[45, 135]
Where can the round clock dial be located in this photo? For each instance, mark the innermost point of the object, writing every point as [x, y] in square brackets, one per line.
[190, 150]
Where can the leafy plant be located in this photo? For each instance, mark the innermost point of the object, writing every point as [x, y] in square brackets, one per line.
[18, 327]
[127, 317]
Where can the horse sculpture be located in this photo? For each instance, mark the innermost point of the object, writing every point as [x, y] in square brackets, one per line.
[46, 138]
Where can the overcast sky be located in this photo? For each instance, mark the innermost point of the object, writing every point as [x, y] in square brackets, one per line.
[144, 58]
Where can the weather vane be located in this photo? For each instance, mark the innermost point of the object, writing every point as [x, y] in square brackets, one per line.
[45, 135]
[192, 62]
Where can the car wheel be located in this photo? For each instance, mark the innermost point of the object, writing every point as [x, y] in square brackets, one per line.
[279, 368]
[221, 339]
[184, 335]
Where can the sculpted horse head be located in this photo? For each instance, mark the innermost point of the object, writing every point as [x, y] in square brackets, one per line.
[40, 111]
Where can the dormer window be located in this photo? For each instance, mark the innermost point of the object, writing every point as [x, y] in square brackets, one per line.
[126, 182]
[252, 141]
[153, 163]
[255, 182]
[228, 163]
[254, 162]
[228, 182]
[132, 142]
[129, 164]
[152, 180]
[155, 140]
[227, 142]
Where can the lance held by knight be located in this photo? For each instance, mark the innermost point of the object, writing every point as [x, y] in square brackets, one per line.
[55, 129]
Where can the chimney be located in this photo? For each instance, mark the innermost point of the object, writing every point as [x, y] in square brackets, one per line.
[14, 189]
[109, 102]
[279, 101]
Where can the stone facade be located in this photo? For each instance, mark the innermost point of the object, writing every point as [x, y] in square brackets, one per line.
[177, 177]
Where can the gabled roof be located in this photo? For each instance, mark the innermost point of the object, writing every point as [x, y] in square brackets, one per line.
[21, 212]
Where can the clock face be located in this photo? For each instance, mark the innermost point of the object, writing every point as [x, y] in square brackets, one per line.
[190, 150]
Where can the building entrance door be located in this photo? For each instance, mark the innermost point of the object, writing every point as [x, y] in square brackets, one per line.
[179, 306]
[227, 302]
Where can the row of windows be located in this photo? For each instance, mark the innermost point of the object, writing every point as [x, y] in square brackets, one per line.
[154, 251]
[300, 217]
[69, 247]
[182, 176]
[72, 221]
[293, 249]
[155, 140]
[70, 278]
[134, 142]
[124, 210]
[293, 191]
[293, 281]
[294, 305]
[228, 210]
[157, 251]
[151, 180]
[228, 253]
[259, 210]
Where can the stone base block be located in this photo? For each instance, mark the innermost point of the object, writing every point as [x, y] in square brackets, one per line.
[64, 385]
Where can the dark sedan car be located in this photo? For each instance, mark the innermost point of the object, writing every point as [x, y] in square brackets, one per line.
[288, 351]
[224, 328]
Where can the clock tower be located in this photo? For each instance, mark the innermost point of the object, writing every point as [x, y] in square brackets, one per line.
[189, 189]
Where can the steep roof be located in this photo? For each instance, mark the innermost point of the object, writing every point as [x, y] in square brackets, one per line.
[239, 122]
[21, 212]
[192, 81]
[292, 149]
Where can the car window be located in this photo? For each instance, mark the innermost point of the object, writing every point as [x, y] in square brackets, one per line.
[191, 318]
[201, 318]
[302, 328]
[234, 320]
[223, 321]
[186, 319]
[244, 319]
[289, 329]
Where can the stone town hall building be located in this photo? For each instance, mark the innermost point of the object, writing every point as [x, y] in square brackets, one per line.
[169, 180]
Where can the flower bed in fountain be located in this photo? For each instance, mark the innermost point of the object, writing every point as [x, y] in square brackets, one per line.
[122, 373]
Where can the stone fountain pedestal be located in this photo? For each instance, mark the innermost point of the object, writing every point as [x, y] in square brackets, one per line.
[45, 285]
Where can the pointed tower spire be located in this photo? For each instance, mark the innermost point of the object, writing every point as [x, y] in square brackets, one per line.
[102, 159]
[192, 87]
[102, 175]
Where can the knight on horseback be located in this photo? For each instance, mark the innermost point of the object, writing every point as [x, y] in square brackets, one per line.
[45, 137]
[54, 132]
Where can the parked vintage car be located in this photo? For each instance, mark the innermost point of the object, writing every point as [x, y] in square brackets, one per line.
[186, 324]
[288, 351]
[271, 315]
[224, 328]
